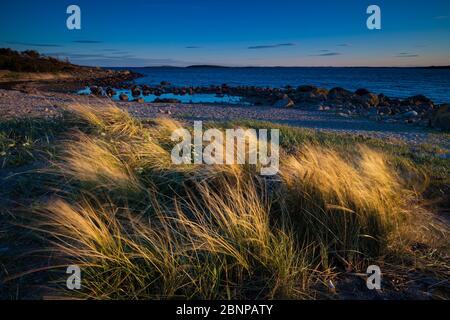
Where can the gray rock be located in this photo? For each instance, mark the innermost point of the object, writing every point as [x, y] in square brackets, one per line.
[441, 119]
[285, 102]
[123, 97]
[409, 115]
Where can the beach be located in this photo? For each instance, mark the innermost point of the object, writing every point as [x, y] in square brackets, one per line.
[49, 104]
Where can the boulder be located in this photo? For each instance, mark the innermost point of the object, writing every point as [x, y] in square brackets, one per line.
[362, 92]
[97, 91]
[371, 99]
[409, 115]
[135, 91]
[441, 118]
[339, 94]
[110, 92]
[384, 111]
[419, 99]
[285, 102]
[310, 94]
[123, 97]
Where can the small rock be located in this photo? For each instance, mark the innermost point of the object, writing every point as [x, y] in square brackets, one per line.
[362, 92]
[409, 115]
[285, 102]
[123, 97]
[97, 91]
[441, 119]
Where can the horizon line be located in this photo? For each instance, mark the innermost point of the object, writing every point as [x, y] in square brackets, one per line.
[223, 66]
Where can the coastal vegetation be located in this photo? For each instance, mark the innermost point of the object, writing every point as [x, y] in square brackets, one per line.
[32, 61]
[100, 191]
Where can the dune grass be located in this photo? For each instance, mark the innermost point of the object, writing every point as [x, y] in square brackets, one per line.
[141, 227]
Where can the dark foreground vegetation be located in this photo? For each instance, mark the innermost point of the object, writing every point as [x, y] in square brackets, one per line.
[97, 188]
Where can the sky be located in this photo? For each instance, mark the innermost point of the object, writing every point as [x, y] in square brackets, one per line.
[138, 33]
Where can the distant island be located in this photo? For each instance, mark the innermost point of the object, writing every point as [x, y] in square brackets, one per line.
[206, 66]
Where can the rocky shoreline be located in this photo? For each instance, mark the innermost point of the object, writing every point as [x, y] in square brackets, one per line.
[16, 104]
[88, 78]
[417, 110]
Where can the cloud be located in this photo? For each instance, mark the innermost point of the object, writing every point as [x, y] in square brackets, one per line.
[30, 44]
[75, 55]
[327, 54]
[192, 47]
[110, 60]
[344, 45]
[442, 17]
[87, 41]
[89, 55]
[269, 46]
[406, 55]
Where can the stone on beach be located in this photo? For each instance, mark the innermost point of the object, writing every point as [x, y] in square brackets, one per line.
[135, 91]
[285, 102]
[441, 118]
[409, 114]
[123, 97]
[97, 91]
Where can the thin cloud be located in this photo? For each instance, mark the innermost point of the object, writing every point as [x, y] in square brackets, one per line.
[76, 55]
[193, 47]
[270, 46]
[87, 41]
[31, 44]
[344, 45]
[327, 54]
[406, 55]
[117, 60]
[442, 17]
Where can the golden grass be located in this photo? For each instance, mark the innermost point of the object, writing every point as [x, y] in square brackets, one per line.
[94, 160]
[346, 205]
[205, 246]
[215, 231]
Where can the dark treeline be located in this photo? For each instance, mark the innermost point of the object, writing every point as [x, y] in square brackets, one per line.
[31, 61]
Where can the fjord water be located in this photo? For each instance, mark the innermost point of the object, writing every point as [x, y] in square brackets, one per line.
[393, 82]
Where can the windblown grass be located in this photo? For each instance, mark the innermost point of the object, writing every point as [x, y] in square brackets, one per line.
[348, 206]
[141, 227]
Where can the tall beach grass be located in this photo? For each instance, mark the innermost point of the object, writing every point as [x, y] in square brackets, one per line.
[141, 227]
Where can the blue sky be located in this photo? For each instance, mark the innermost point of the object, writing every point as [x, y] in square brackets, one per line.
[235, 33]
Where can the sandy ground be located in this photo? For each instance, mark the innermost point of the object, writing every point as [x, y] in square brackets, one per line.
[15, 104]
